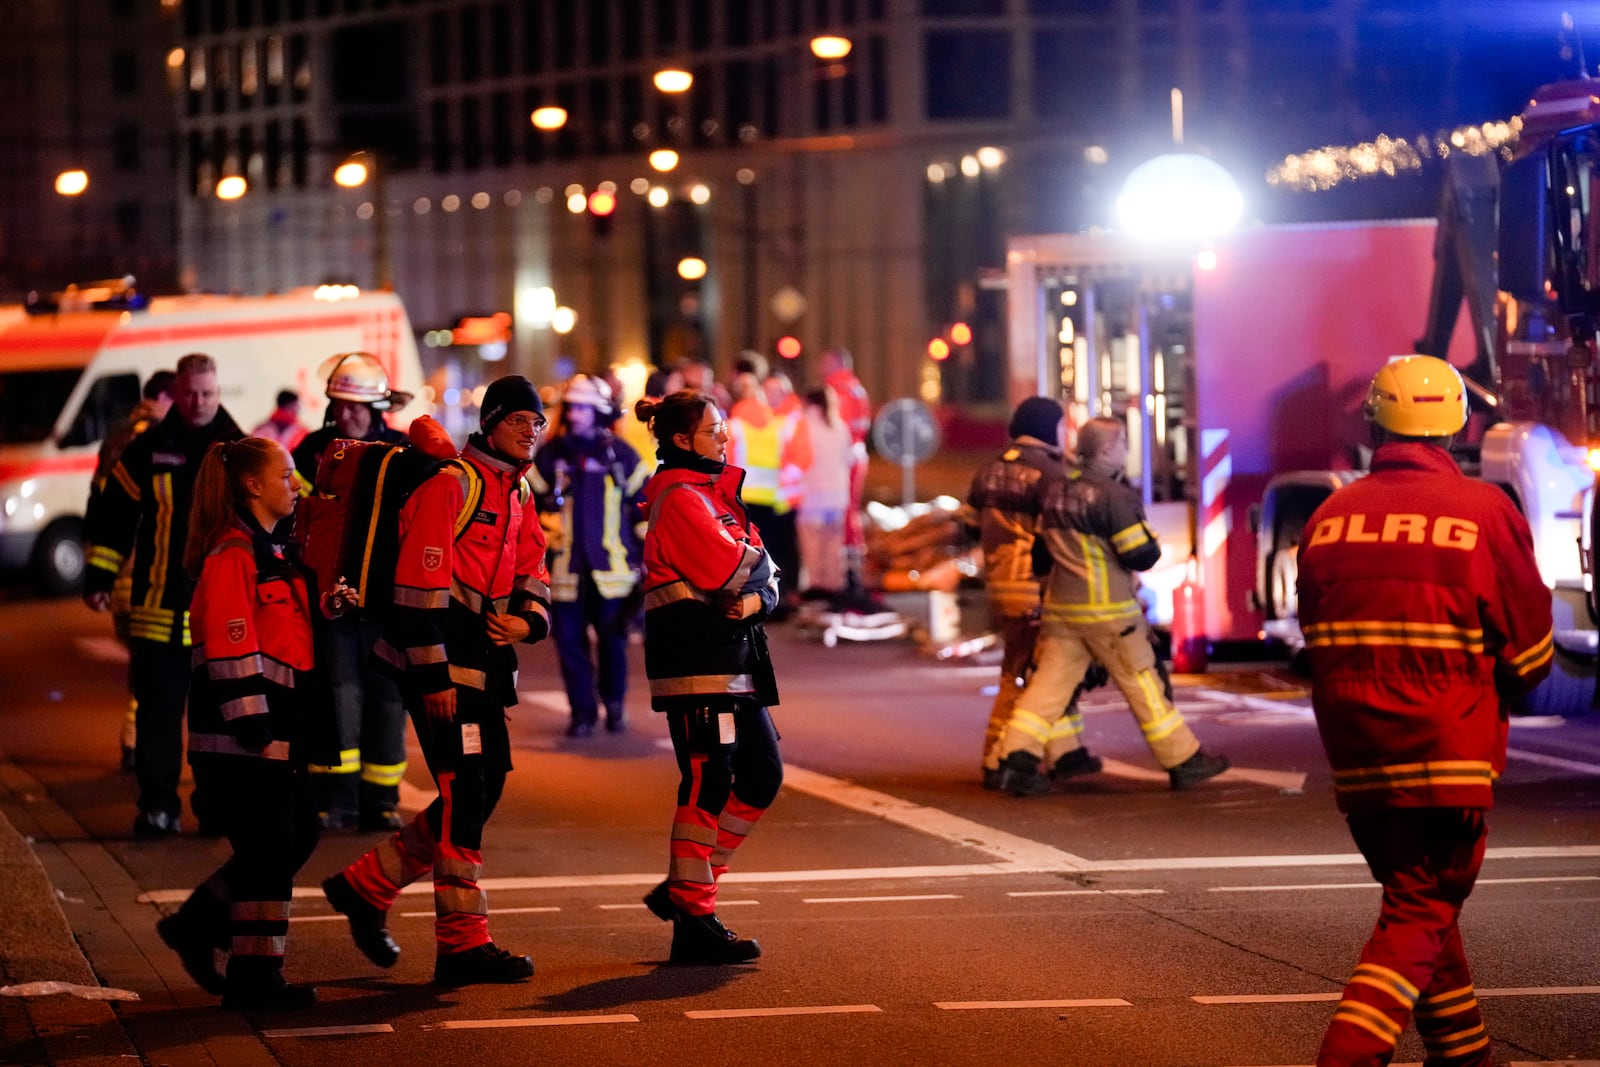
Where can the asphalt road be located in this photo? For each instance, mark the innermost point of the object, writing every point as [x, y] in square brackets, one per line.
[906, 915]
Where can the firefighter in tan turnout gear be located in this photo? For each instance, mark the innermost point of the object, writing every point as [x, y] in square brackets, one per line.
[1093, 526]
[1423, 610]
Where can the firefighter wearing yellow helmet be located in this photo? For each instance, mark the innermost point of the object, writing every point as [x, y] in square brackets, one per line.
[361, 790]
[1423, 610]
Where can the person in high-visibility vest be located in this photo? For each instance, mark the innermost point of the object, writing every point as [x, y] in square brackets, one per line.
[774, 452]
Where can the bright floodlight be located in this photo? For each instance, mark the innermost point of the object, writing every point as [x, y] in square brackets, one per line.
[830, 47]
[350, 173]
[231, 188]
[691, 268]
[549, 118]
[1179, 196]
[72, 182]
[673, 81]
[663, 159]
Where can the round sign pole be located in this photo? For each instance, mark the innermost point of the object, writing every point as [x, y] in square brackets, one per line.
[908, 480]
[906, 431]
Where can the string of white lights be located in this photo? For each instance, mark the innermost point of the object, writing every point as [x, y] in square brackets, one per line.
[1386, 156]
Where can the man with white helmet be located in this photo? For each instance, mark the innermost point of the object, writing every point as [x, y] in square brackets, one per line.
[590, 485]
[362, 790]
[1423, 612]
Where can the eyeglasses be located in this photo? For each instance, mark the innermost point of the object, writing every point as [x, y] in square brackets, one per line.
[519, 423]
[718, 429]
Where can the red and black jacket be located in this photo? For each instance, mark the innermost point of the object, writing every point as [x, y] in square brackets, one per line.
[457, 568]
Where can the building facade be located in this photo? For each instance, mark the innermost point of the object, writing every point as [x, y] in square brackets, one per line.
[860, 200]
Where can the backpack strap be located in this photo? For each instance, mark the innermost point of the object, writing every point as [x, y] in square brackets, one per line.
[472, 495]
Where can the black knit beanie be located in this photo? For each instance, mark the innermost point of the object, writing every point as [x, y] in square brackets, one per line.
[506, 395]
[1037, 417]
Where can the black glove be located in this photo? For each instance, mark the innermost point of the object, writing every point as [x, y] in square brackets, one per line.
[538, 626]
[253, 732]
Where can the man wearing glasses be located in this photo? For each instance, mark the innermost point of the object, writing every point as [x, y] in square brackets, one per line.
[470, 583]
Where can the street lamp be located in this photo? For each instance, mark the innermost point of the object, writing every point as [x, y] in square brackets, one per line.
[549, 118]
[673, 81]
[72, 182]
[830, 47]
[663, 159]
[353, 173]
[232, 187]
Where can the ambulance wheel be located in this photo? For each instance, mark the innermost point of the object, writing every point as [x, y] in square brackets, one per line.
[58, 558]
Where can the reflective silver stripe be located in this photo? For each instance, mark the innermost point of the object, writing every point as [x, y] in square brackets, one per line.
[277, 672]
[474, 601]
[223, 745]
[264, 910]
[671, 593]
[752, 556]
[468, 677]
[389, 654]
[454, 867]
[689, 869]
[735, 825]
[420, 654]
[454, 900]
[688, 831]
[694, 684]
[406, 596]
[529, 584]
[229, 669]
[392, 859]
[256, 945]
[254, 704]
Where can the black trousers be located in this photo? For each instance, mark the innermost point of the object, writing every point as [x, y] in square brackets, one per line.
[571, 622]
[160, 674]
[477, 761]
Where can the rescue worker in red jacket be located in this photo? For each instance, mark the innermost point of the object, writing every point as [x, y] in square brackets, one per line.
[470, 584]
[256, 709]
[1423, 611]
[708, 584]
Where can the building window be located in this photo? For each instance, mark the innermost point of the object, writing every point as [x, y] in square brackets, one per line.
[877, 81]
[700, 23]
[125, 72]
[500, 128]
[937, 8]
[244, 13]
[533, 34]
[125, 146]
[471, 45]
[439, 48]
[666, 25]
[1075, 74]
[968, 74]
[122, 9]
[299, 152]
[566, 35]
[500, 40]
[130, 220]
[599, 34]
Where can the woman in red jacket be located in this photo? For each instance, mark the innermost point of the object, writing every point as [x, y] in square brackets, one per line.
[253, 705]
[708, 584]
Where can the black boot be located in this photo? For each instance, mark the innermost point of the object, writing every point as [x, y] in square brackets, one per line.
[659, 901]
[703, 939]
[1196, 769]
[486, 963]
[1020, 776]
[367, 923]
[1075, 763]
[193, 932]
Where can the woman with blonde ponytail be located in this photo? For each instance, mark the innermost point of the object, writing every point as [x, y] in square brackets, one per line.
[255, 704]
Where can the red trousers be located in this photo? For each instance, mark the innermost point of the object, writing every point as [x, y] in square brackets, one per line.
[1427, 860]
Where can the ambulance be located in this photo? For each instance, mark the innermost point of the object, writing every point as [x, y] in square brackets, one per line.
[72, 366]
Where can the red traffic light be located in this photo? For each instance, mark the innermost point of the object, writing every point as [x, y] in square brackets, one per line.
[602, 203]
[789, 347]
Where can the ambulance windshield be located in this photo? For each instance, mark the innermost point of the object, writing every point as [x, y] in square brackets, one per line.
[31, 401]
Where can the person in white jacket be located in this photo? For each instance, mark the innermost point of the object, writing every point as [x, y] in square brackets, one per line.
[827, 494]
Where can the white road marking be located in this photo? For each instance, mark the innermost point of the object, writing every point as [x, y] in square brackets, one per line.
[317, 918]
[331, 1031]
[1086, 893]
[954, 870]
[554, 700]
[1271, 705]
[879, 900]
[759, 1013]
[1554, 761]
[1009, 848]
[1296, 998]
[641, 907]
[104, 649]
[1374, 885]
[502, 1024]
[1293, 781]
[979, 1005]
[497, 911]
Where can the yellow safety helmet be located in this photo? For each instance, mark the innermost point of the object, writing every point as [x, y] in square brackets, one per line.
[1417, 396]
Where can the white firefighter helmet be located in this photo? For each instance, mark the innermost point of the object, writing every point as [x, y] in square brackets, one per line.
[589, 390]
[359, 377]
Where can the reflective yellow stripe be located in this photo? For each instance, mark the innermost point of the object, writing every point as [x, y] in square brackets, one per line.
[1432, 773]
[349, 763]
[1456, 1043]
[1452, 1002]
[1034, 726]
[1085, 613]
[124, 479]
[1367, 1018]
[162, 487]
[106, 559]
[701, 684]
[1130, 538]
[1390, 982]
[383, 773]
[1162, 726]
[1537, 656]
[1389, 632]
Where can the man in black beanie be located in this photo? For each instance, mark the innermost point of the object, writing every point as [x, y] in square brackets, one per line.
[1005, 497]
[458, 610]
